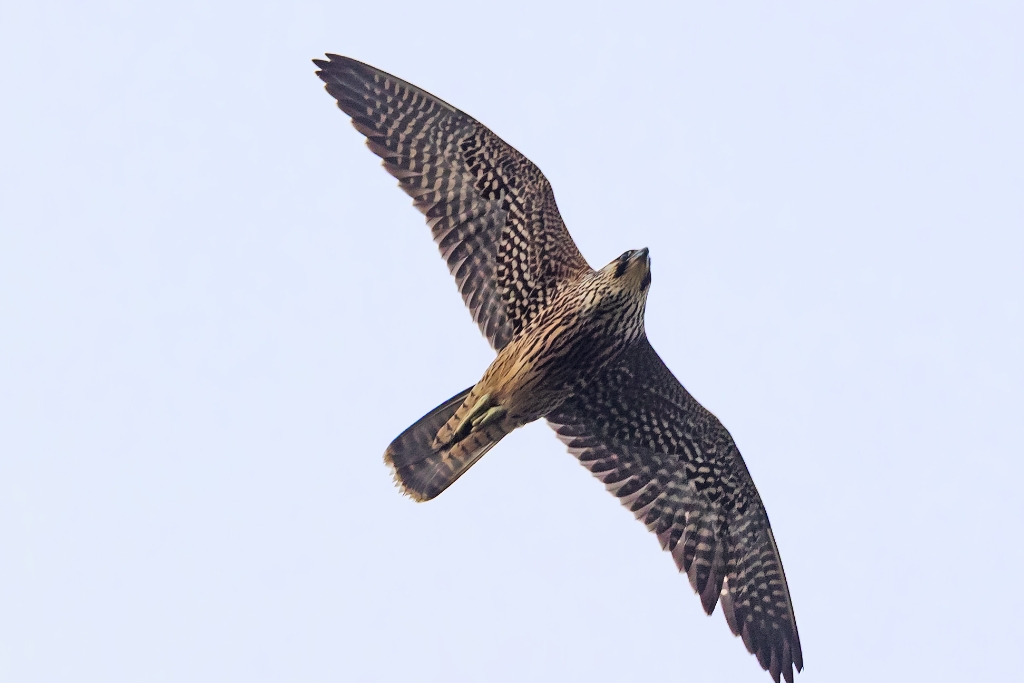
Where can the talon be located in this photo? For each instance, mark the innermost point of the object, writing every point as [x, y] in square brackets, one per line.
[490, 417]
[466, 426]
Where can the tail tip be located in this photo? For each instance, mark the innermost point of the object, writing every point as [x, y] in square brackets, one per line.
[400, 484]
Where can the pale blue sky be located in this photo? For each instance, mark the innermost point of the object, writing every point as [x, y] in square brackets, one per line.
[216, 311]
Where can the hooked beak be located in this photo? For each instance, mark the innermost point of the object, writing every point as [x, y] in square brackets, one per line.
[641, 255]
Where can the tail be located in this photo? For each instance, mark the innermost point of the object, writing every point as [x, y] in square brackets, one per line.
[424, 458]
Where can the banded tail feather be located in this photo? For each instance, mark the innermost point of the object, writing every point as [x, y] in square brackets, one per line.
[423, 458]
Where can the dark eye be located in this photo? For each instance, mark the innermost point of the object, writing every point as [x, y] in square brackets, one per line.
[620, 267]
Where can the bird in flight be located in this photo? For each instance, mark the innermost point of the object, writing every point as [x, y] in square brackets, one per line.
[571, 348]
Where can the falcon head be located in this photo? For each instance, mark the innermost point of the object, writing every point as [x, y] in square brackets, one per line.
[620, 294]
[631, 271]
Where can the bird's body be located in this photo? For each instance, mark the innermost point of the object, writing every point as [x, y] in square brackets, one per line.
[589, 324]
[571, 348]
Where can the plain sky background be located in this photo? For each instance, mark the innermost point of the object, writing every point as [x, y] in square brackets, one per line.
[216, 311]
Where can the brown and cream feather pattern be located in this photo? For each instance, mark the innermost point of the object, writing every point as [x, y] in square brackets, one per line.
[491, 211]
[674, 465]
[571, 348]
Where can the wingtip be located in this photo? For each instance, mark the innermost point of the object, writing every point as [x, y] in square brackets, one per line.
[775, 666]
[330, 58]
[332, 63]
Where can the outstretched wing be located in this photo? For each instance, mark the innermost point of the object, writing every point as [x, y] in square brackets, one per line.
[492, 212]
[674, 465]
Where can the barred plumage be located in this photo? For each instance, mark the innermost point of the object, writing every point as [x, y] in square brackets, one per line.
[572, 349]
[491, 211]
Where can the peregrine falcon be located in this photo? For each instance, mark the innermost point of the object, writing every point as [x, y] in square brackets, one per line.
[571, 348]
